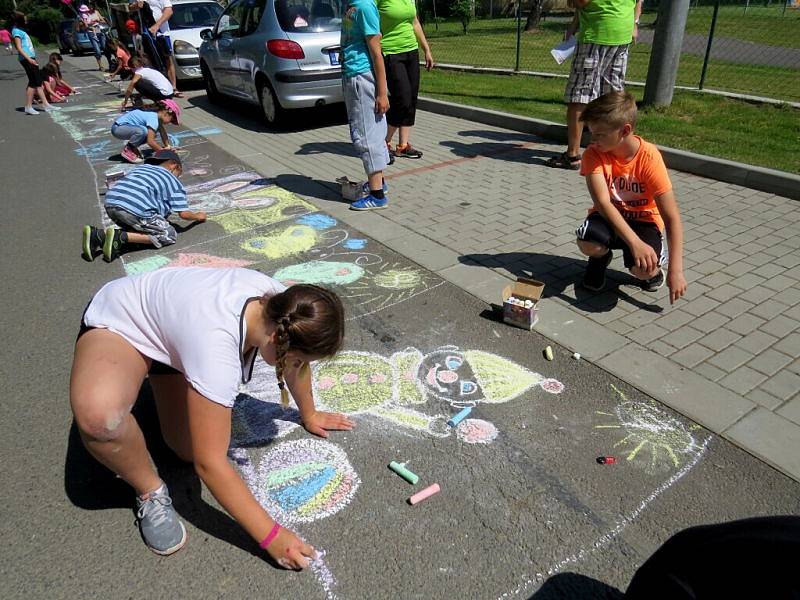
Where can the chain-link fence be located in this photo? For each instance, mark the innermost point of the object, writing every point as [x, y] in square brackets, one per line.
[753, 47]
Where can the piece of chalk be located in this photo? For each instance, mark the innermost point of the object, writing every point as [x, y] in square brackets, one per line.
[456, 419]
[421, 495]
[576, 355]
[548, 353]
[410, 477]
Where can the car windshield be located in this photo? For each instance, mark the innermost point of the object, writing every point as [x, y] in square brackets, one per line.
[309, 16]
[191, 15]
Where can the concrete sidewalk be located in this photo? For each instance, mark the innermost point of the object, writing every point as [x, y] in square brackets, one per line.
[481, 208]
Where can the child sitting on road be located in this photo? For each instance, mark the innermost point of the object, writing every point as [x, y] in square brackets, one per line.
[139, 126]
[123, 68]
[151, 84]
[366, 96]
[633, 201]
[50, 84]
[140, 203]
[62, 87]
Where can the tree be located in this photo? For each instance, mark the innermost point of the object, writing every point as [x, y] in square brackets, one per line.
[462, 9]
[535, 15]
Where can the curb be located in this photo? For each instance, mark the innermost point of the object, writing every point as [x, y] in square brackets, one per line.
[758, 178]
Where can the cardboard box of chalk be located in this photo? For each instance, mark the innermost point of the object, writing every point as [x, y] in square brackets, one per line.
[521, 302]
[351, 190]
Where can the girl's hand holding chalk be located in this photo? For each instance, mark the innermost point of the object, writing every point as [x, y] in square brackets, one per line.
[319, 423]
[289, 551]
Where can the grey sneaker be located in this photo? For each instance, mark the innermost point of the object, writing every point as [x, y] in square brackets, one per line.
[161, 529]
[654, 283]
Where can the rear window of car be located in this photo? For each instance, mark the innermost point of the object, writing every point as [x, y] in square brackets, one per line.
[193, 15]
[309, 16]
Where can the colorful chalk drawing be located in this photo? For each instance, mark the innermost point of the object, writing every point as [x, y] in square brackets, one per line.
[320, 272]
[476, 431]
[183, 259]
[295, 239]
[650, 430]
[253, 208]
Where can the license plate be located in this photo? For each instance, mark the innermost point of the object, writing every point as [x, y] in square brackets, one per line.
[334, 56]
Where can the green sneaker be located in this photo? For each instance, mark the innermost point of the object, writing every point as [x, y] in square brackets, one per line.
[93, 239]
[112, 245]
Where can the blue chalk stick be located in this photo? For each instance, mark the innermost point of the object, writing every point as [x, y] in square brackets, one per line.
[455, 420]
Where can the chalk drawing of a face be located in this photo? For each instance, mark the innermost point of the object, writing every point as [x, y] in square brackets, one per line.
[295, 239]
[301, 481]
[320, 272]
[183, 259]
[648, 429]
[360, 382]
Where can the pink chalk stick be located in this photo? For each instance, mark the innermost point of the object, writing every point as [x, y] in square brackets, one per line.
[421, 495]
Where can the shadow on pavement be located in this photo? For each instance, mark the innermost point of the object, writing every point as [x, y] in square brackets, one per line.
[572, 586]
[500, 151]
[308, 186]
[560, 272]
[502, 136]
[248, 116]
[91, 486]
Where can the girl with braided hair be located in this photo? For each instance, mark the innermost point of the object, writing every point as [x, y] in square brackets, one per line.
[196, 333]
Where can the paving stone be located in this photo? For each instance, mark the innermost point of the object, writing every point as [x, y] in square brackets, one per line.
[789, 296]
[744, 324]
[692, 355]
[780, 326]
[742, 380]
[756, 342]
[766, 400]
[682, 337]
[789, 345]
[784, 384]
[791, 410]
[700, 305]
[768, 435]
[730, 358]
[710, 321]
[724, 292]
[769, 270]
[769, 309]
[757, 295]
[779, 282]
[747, 281]
[661, 348]
[709, 371]
[647, 333]
[734, 308]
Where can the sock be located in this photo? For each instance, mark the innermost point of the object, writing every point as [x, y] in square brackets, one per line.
[155, 491]
[123, 237]
[377, 194]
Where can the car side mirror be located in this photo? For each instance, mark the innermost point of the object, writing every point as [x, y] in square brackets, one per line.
[207, 35]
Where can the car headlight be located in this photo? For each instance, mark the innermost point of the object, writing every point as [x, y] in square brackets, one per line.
[181, 47]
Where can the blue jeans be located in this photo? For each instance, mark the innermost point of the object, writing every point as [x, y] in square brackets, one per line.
[135, 134]
[98, 41]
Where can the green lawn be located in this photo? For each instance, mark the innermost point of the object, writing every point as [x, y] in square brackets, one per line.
[492, 43]
[762, 135]
[760, 24]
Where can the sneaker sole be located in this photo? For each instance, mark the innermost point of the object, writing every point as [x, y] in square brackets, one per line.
[369, 208]
[108, 245]
[86, 253]
[174, 548]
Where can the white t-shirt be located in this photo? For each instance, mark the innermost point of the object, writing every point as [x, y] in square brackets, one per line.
[158, 6]
[157, 78]
[191, 319]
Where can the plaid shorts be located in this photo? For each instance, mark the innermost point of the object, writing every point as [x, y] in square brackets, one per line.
[596, 70]
[157, 228]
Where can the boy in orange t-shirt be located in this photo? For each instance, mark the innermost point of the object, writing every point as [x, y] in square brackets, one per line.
[633, 201]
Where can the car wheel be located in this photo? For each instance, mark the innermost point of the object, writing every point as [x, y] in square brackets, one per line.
[271, 110]
[211, 88]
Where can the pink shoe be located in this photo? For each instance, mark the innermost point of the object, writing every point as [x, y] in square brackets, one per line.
[131, 155]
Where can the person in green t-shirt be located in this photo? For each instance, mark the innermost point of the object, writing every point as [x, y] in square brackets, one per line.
[402, 36]
[605, 30]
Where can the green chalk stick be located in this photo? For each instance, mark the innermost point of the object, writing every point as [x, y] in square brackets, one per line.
[410, 477]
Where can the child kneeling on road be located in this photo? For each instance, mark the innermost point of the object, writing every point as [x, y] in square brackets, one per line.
[139, 126]
[366, 96]
[140, 203]
[633, 201]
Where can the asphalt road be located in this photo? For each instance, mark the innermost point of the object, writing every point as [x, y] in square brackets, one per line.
[524, 509]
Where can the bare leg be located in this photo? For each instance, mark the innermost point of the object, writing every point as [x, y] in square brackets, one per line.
[574, 128]
[171, 75]
[107, 373]
[643, 274]
[29, 91]
[375, 180]
[405, 134]
[390, 131]
[42, 97]
[139, 238]
[173, 416]
[592, 249]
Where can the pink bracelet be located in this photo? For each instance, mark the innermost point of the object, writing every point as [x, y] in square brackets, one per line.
[270, 536]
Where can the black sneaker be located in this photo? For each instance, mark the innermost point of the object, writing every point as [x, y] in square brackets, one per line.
[595, 277]
[93, 239]
[112, 245]
[654, 283]
[391, 154]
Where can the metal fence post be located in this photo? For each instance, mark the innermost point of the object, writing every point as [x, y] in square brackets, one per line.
[708, 47]
[665, 55]
[519, 31]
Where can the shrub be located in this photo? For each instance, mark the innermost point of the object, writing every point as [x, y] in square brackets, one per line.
[462, 10]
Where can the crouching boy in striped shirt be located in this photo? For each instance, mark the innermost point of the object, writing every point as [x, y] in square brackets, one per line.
[140, 203]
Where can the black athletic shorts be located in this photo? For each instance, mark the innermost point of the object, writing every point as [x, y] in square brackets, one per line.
[402, 79]
[34, 74]
[596, 229]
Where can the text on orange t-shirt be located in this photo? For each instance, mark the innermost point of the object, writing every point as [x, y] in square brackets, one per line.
[633, 185]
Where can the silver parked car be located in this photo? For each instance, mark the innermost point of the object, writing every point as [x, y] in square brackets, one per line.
[189, 18]
[280, 54]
